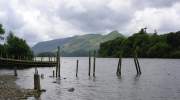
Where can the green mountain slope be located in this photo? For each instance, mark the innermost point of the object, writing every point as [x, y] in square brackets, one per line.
[76, 45]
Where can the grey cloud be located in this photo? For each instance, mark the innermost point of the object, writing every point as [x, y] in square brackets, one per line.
[154, 3]
[169, 26]
[97, 20]
[12, 20]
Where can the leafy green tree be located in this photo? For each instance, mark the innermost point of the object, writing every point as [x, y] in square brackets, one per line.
[149, 45]
[18, 47]
[111, 48]
[173, 39]
[2, 31]
[141, 40]
[175, 54]
[159, 50]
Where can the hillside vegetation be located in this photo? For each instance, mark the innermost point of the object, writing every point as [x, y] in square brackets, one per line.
[148, 45]
[76, 45]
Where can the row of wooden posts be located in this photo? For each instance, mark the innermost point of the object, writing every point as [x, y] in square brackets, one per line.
[58, 66]
[136, 62]
[118, 72]
[94, 65]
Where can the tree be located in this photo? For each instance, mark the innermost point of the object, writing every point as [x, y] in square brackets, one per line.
[111, 48]
[2, 31]
[173, 39]
[18, 47]
[159, 50]
[149, 44]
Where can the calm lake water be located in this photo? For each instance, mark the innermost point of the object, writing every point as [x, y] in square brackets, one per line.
[160, 80]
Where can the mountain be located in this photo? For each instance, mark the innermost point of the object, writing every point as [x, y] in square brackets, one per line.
[75, 46]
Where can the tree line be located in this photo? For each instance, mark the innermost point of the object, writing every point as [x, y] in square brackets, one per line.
[147, 45]
[14, 47]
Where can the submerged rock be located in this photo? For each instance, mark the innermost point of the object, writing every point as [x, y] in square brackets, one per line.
[71, 89]
[43, 90]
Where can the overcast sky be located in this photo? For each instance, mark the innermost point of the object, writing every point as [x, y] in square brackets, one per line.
[41, 20]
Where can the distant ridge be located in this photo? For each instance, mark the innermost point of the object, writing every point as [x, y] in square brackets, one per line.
[75, 46]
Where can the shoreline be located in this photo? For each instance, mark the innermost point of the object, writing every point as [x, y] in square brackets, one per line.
[9, 90]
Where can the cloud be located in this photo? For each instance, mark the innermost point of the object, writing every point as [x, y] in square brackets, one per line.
[154, 3]
[95, 20]
[39, 20]
[164, 20]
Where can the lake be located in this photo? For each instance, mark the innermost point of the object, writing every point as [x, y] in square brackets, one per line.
[160, 80]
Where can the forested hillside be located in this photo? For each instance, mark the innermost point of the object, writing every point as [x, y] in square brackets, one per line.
[148, 45]
[76, 45]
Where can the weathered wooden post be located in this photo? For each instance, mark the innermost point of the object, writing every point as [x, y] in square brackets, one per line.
[77, 64]
[138, 69]
[15, 71]
[58, 63]
[94, 64]
[119, 67]
[53, 73]
[37, 85]
[89, 63]
[136, 65]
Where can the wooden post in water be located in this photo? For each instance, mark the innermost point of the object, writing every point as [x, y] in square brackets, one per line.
[37, 85]
[15, 71]
[89, 63]
[59, 61]
[136, 65]
[77, 64]
[118, 73]
[94, 64]
[138, 69]
[57, 64]
[53, 73]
